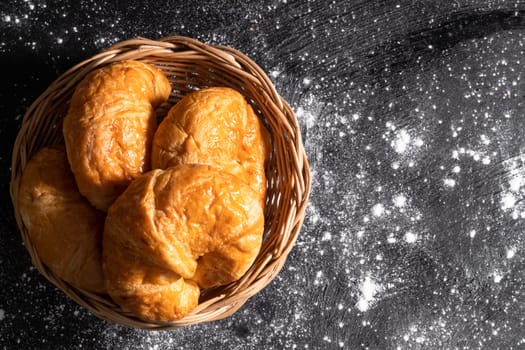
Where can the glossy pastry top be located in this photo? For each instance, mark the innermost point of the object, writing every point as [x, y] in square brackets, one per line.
[110, 125]
[175, 231]
[148, 290]
[214, 126]
[63, 227]
[198, 221]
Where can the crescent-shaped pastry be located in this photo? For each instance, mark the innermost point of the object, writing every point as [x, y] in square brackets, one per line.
[64, 228]
[110, 125]
[186, 226]
[215, 126]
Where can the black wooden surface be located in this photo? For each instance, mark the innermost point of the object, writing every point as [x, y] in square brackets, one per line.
[412, 114]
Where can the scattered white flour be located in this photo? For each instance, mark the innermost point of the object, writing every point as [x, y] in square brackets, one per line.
[515, 183]
[449, 182]
[378, 209]
[399, 200]
[497, 276]
[308, 117]
[313, 213]
[508, 201]
[318, 278]
[410, 237]
[418, 142]
[391, 239]
[484, 139]
[326, 236]
[401, 142]
[368, 288]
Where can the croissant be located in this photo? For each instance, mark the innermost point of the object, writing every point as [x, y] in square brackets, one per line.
[147, 290]
[175, 230]
[110, 125]
[214, 126]
[64, 228]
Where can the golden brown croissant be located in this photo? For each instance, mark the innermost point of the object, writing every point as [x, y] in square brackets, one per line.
[194, 222]
[63, 227]
[110, 125]
[147, 290]
[214, 126]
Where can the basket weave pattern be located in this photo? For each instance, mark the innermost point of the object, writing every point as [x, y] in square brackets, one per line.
[189, 65]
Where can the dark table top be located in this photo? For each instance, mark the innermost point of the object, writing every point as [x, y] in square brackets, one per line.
[412, 114]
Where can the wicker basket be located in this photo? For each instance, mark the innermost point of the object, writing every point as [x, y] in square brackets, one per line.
[189, 65]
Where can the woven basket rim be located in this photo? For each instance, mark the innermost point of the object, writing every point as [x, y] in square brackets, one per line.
[186, 61]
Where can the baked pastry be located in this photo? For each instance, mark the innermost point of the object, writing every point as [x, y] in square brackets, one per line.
[65, 230]
[214, 126]
[147, 290]
[110, 125]
[191, 222]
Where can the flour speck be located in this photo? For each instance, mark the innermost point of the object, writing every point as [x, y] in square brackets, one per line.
[508, 201]
[515, 183]
[400, 200]
[368, 289]
[497, 276]
[402, 141]
[410, 237]
[378, 209]
[449, 182]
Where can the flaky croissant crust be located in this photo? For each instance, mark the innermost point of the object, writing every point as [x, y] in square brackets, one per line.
[110, 125]
[194, 225]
